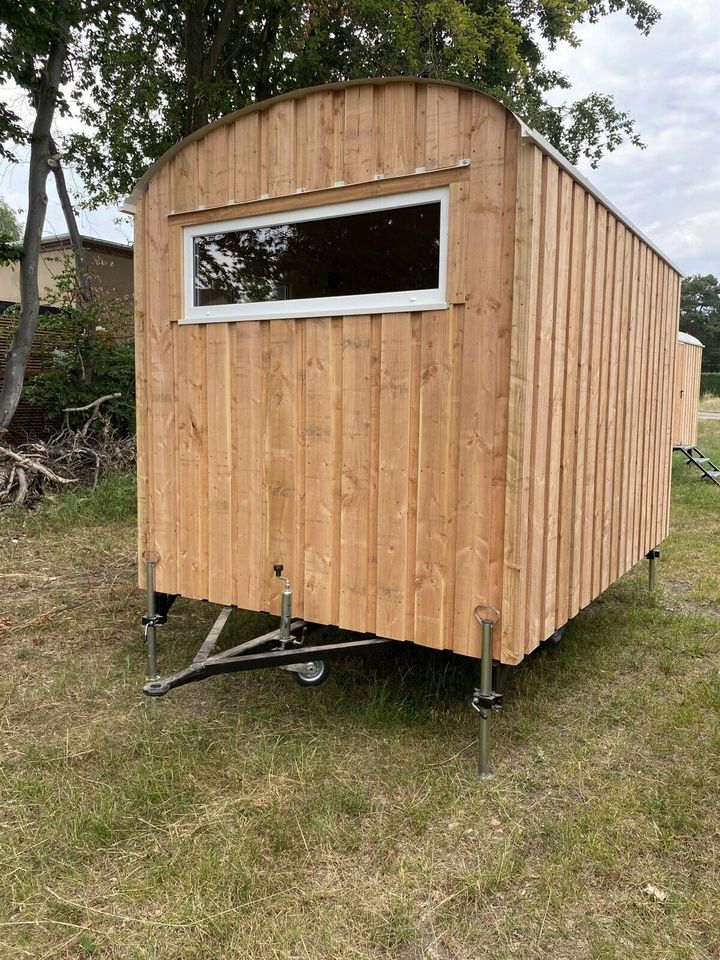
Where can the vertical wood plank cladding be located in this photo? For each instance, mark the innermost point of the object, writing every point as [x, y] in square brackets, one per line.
[520, 422]
[322, 453]
[688, 362]
[145, 502]
[577, 569]
[358, 140]
[245, 174]
[280, 156]
[570, 460]
[413, 427]
[592, 472]
[280, 450]
[162, 411]
[250, 546]
[398, 130]
[541, 403]
[556, 372]
[605, 359]
[192, 450]
[613, 365]
[393, 473]
[487, 231]
[455, 388]
[184, 179]
[441, 127]
[647, 413]
[374, 471]
[221, 537]
[318, 142]
[670, 336]
[214, 172]
[654, 386]
[298, 555]
[503, 328]
[632, 418]
[680, 407]
[619, 477]
[215, 185]
[432, 560]
[659, 333]
[355, 528]
[457, 232]
[190, 353]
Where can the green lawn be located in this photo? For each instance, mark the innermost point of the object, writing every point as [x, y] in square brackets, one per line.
[248, 818]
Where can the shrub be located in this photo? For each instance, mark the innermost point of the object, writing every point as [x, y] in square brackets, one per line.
[86, 351]
[710, 383]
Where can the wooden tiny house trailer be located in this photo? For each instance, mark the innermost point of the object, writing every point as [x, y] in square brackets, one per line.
[688, 362]
[387, 337]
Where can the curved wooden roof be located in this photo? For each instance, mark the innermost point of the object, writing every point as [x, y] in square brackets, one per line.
[140, 187]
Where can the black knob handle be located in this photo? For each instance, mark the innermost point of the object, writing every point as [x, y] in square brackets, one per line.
[278, 568]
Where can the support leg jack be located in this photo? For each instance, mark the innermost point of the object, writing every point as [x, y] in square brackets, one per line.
[485, 699]
[652, 557]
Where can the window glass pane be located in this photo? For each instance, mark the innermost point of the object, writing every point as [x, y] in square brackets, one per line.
[376, 252]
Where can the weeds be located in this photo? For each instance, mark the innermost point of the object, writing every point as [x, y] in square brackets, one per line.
[245, 817]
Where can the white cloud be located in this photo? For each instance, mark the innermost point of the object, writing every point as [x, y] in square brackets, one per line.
[669, 83]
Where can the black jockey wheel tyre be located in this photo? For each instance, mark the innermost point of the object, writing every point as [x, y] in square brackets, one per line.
[556, 637]
[312, 674]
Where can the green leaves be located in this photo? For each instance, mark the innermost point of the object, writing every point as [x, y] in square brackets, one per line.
[700, 315]
[147, 75]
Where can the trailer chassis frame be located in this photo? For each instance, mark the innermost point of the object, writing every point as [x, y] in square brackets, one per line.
[283, 647]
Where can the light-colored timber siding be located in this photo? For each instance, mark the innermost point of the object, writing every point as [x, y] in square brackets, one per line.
[688, 364]
[512, 450]
[594, 328]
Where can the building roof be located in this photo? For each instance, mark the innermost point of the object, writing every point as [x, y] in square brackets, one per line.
[688, 338]
[526, 132]
[61, 241]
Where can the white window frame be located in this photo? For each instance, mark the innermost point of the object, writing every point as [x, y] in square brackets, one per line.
[395, 301]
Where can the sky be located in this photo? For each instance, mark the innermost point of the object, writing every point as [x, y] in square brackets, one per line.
[669, 82]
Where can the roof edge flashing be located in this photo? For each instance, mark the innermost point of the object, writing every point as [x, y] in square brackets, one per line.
[689, 339]
[539, 140]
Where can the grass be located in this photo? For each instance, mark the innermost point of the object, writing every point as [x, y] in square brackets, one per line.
[245, 817]
[709, 403]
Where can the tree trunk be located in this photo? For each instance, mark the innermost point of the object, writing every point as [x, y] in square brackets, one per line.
[37, 206]
[81, 267]
[84, 286]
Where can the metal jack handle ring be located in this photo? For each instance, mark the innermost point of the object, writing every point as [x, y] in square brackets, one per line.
[485, 700]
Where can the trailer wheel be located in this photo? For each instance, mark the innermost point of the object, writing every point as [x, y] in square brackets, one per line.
[556, 637]
[312, 673]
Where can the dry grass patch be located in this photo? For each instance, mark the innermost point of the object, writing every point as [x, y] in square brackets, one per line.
[245, 817]
[709, 403]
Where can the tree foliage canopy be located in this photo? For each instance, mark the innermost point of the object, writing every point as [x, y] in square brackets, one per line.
[700, 315]
[147, 75]
[10, 234]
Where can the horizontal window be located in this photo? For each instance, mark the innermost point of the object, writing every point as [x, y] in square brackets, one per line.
[385, 253]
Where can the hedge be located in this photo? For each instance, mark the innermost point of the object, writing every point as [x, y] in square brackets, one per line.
[710, 383]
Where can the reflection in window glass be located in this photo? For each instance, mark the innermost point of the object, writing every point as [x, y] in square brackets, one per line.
[364, 253]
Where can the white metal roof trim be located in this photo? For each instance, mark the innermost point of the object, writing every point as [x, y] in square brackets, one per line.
[689, 338]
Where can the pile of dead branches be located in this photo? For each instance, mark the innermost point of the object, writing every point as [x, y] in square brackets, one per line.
[32, 470]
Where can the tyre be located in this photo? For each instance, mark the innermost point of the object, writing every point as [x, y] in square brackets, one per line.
[312, 673]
